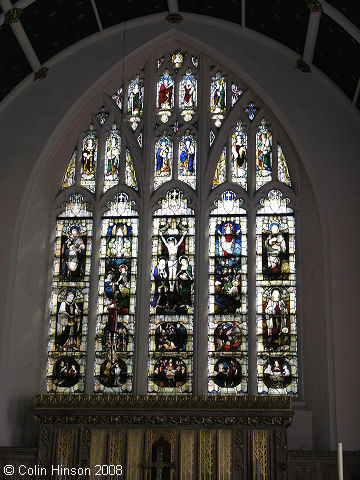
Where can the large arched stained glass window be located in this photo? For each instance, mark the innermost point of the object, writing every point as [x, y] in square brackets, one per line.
[190, 239]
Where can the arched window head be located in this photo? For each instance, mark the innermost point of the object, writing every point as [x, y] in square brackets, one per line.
[190, 240]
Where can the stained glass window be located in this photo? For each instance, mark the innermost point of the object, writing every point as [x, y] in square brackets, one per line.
[115, 329]
[118, 97]
[135, 101]
[218, 98]
[165, 96]
[89, 159]
[70, 298]
[220, 172]
[69, 175]
[239, 155]
[140, 140]
[188, 95]
[263, 155]
[112, 159]
[130, 175]
[228, 296]
[283, 171]
[177, 59]
[251, 110]
[163, 160]
[173, 324]
[172, 296]
[277, 369]
[102, 115]
[187, 160]
[235, 93]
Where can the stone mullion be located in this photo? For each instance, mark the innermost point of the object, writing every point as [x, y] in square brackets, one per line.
[200, 328]
[251, 226]
[93, 302]
[143, 288]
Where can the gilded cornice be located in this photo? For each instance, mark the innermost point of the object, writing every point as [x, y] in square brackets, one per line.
[163, 410]
[227, 402]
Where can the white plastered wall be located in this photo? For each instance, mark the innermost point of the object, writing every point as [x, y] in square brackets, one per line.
[40, 124]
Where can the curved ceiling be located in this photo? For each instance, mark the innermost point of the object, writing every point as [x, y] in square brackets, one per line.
[323, 33]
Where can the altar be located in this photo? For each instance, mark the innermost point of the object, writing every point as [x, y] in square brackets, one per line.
[162, 437]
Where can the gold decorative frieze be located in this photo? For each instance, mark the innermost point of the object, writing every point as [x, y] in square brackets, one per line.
[224, 454]
[134, 455]
[206, 448]
[283, 421]
[118, 402]
[303, 66]
[41, 74]
[65, 447]
[260, 455]
[13, 15]
[314, 5]
[174, 18]
[98, 449]
[187, 454]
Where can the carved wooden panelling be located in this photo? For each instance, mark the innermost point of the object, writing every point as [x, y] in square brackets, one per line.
[224, 462]
[187, 454]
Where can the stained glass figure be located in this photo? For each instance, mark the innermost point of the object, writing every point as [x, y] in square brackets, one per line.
[220, 172]
[172, 295]
[130, 175]
[276, 296]
[239, 156]
[228, 296]
[163, 160]
[70, 298]
[135, 101]
[211, 137]
[70, 304]
[187, 160]
[177, 59]
[188, 95]
[118, 98]
[263, 155]
[170, 372]
[227, 373]
[175, 127]
[235, 93]
[251, 110]
[171, 337]
[165, 96]
[116, 302]
[88, 159]
[195, 61]
[112, 159]
[102, 115]
[140, 140]
[218, 98]
[160, 61]
[69, 175]
[228, 337]
[283, 171]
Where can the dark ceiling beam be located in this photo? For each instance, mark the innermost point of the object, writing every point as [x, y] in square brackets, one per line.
[21, 36]
[339, 18]
[311, 36]
[97, 16]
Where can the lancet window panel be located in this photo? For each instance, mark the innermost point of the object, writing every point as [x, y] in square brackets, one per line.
[70, 298]
[276, 328]
[172, 296]
[228, 305]
[115, 329]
